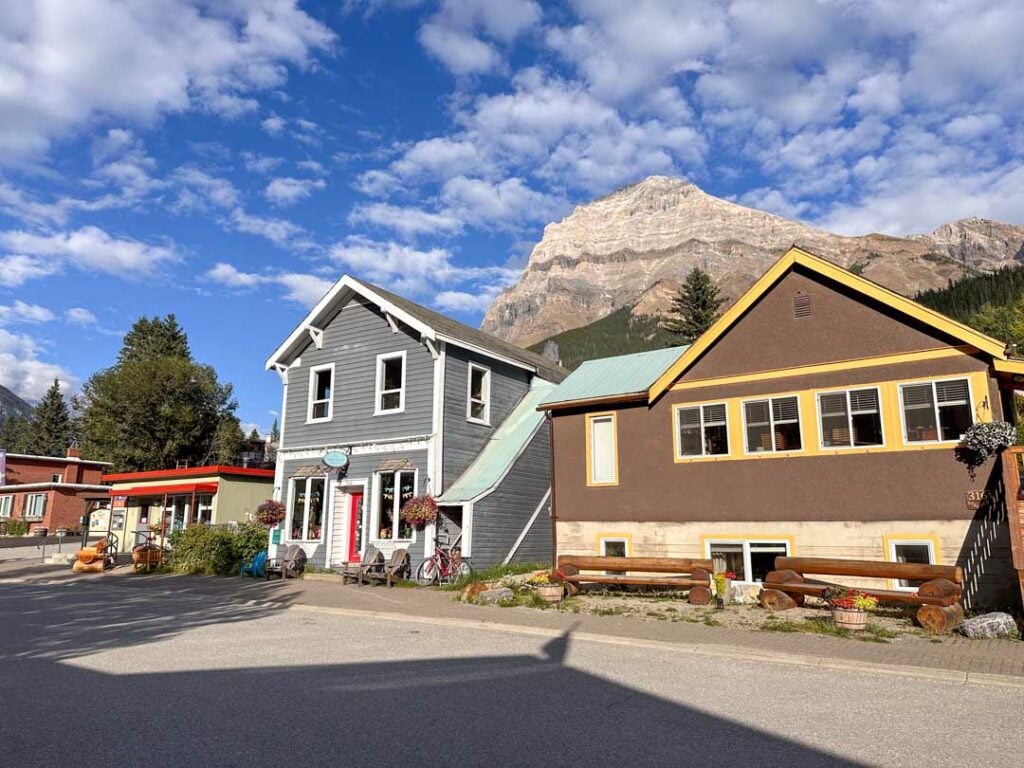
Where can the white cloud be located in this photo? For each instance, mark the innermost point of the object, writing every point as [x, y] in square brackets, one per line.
[68, 64]
[311, 166]
[451, 35]
[304, 289]
[21, 312]
[409, 222]
[199, 189]
[510, 203]
[256, 163]
[281, 232]
[21, 370]
[81, 316]
[288, 191]
[274, 125]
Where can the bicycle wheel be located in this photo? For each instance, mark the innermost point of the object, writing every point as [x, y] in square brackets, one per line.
[427, 573]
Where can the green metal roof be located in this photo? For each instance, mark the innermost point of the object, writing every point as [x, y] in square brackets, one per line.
[611, 376]
[502, 449]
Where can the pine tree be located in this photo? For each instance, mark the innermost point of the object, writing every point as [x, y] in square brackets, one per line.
[50, 431]
[15, 434]
[275, 432]
[695, 307]
[254, 436]
[153, 338]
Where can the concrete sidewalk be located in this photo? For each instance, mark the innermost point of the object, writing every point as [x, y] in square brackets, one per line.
[956, 659]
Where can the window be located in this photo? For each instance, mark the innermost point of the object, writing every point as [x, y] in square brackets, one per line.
[307, 508]
[910, 551]
[390, 383]
[936, 410]
[614, 548]
[478, 407]
[204, 509]
[144, 515]
[773, 425]
[703, 430]
[6, 504]
[602, 452]
[390, 524]
[35, 505]
[850, 419]
[321, 385]
[56, 477]
[749, 560]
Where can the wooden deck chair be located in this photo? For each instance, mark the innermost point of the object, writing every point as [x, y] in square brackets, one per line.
[371, 560]
[289, 567]
[397, 565]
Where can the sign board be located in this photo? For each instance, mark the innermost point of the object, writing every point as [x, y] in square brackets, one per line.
[336, 459]
[119, 502]
[976, 498]
[275, 535]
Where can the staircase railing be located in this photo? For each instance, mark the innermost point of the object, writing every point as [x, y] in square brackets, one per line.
[1013, 468]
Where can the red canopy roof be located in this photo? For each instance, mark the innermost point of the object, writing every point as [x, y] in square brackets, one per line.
[171, 490]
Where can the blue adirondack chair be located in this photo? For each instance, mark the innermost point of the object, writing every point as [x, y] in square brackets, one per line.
[255, 568]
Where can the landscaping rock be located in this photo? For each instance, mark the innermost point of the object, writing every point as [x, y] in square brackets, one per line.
[470, 593]
[991, 625]
[492, 596]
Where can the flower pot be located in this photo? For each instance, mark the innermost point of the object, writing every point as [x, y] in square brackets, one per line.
[852, 619]
[551, 593]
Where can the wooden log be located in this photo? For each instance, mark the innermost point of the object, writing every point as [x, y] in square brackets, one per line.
[883, 595]
[567, 570]
[654, 581]
[774, 600]
[643, 564]
[940, 618]
[700, 595]
[939, 588]
[823, 566]
[783, 577]
[700, 574]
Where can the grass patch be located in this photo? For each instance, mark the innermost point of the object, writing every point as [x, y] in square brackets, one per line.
[493, 574]
[612, 610]
[873, 633]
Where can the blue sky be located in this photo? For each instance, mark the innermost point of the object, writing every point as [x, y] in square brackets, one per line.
[227, 161]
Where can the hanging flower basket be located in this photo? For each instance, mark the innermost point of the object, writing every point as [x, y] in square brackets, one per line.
[270, 513]
[983, 440]
[419, 511]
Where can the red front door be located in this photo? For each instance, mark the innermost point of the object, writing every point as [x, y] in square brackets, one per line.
[355, 525]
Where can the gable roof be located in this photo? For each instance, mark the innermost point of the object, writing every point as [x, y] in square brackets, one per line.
[502, 449]
[624, 377]
[796, 256]
[430, 325]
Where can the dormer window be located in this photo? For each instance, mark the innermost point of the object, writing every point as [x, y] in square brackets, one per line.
[390, 395]
[321, 387]
[478, 406]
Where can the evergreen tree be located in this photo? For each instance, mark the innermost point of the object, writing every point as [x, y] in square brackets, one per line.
[16, 433]
[275, 432]
[254, 436]
[156, 406]
[695, 307]
[50, 430]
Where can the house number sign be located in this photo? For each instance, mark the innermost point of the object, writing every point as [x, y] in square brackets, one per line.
[976, 498]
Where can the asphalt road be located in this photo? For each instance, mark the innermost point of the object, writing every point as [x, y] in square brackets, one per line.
[99, 674]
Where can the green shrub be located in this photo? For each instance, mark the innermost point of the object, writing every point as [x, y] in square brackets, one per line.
[214, 551]
[17, 527]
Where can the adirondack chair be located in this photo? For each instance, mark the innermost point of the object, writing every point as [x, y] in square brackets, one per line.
[254, 568]
[372, 560]
[392, 571]
[291, 566]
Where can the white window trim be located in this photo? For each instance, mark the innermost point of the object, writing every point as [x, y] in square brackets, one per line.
[289, 521]
[935, 404]
[604, 550]
[378, 392]
[771, 424]
[486, 420]
[849, 420]
[703, 452]
[312, 389]
[893, 543]
[24, 510]
[745, 543]
[10, 507]
[589, 424]
[372, 536]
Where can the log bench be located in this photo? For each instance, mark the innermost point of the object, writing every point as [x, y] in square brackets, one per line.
[938, 597]
[680, 573]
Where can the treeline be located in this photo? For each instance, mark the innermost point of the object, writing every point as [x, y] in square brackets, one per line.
[967, 297]
[619, 333]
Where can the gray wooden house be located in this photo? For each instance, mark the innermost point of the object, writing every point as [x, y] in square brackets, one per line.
[420, 405]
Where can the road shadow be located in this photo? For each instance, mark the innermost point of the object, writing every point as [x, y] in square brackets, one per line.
[517, 710]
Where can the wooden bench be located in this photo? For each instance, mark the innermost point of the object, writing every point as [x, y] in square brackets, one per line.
[938, 597]
[681, 573]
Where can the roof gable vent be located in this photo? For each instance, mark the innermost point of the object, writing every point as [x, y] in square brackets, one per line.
[801, 305]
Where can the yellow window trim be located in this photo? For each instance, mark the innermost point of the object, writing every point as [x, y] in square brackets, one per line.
[799, 257]
[627, 537]
[909, 538]
[615, 448]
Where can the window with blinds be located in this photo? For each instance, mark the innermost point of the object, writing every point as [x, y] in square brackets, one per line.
[703, 430]
[773, 424]
[936, 410]
[601, 437]
[850, 419]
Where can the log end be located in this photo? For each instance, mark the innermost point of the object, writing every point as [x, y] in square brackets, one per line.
[938, 588]
[700, 574]
[783, 576]
[774, 600]
[939, 619]
[700, 595]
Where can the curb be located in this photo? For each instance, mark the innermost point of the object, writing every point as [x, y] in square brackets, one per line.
[737, 653]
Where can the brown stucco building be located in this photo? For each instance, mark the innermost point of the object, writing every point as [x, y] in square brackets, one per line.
[49, 491]
[818, 417]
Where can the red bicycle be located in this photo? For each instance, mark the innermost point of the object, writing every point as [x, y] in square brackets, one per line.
[444, 566]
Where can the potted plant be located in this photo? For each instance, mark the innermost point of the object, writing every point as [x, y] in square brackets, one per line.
[850, 607]
[723, 582]
[982, 440]
[548, 585]
[419, 511]
[270, 513]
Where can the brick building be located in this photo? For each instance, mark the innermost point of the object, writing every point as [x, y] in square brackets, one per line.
[48, 491]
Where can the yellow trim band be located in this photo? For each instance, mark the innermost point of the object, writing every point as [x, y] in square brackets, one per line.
[615, 448]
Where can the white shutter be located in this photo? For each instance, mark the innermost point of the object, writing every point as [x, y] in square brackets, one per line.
[602, 449]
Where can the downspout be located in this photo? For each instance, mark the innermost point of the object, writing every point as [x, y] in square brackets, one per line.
[554, 516]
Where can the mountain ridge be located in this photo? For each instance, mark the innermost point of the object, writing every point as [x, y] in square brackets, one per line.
[11, 404]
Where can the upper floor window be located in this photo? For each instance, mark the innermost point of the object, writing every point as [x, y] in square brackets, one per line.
[936, 411]
[850, 419]
[35, 505]
[6, 505]
[602, 451]
[56, 477]
[390, 396]
[703, 430]
[772, 424]
[321, 387]
[478, 405]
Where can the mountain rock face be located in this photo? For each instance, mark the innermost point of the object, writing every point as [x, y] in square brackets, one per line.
[633, 247]
[11, 404]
